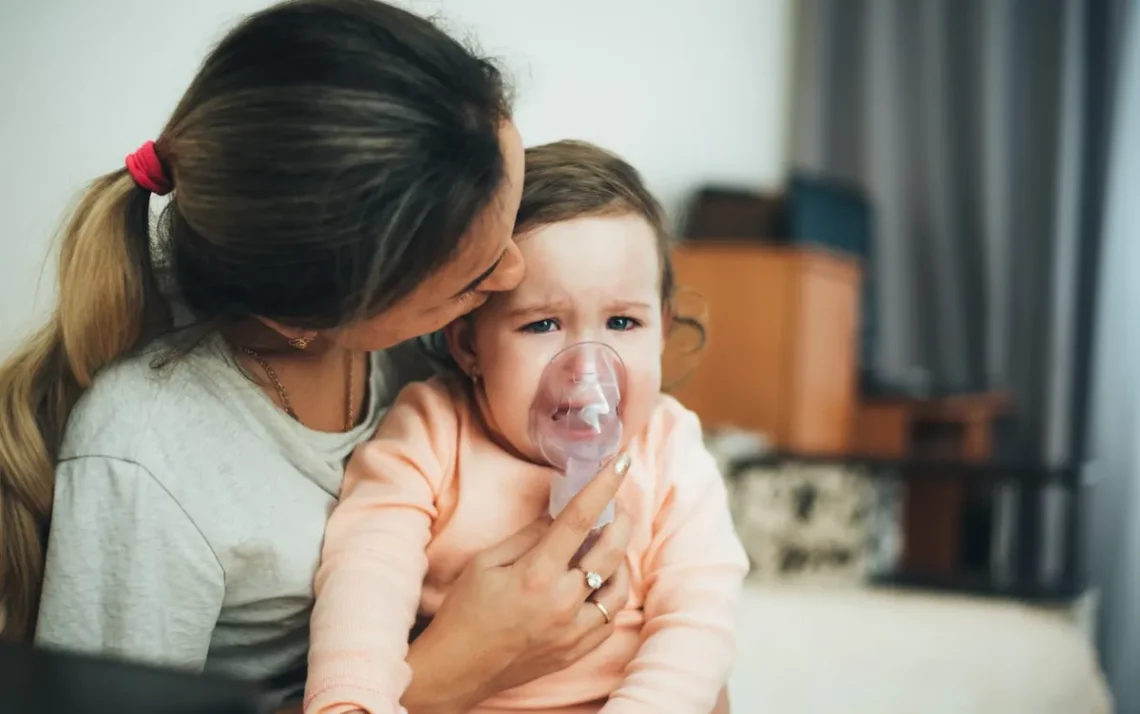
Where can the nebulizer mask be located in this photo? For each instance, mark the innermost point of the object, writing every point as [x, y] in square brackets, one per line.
[574, 419]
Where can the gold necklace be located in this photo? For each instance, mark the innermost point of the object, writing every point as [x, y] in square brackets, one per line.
[283, 396]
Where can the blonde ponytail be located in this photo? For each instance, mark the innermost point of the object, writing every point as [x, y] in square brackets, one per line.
[107, 300]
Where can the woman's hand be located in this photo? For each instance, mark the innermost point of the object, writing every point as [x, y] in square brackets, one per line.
[520, 610]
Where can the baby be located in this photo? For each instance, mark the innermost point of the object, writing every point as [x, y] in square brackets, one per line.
[454, 469]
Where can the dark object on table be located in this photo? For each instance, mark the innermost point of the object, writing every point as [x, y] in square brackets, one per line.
[733, 214]
[40, 681]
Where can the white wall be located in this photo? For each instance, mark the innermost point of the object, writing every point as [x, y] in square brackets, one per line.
[689, 91]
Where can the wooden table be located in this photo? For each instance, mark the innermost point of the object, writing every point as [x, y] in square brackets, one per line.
[956, 427]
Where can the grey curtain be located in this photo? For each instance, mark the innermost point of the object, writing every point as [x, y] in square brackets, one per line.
[988, 134]
[1114, 416]
[964, 121]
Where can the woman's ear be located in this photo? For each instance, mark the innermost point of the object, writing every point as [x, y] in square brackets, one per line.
[461, 343]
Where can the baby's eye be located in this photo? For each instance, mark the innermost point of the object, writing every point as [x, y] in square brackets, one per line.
[622, 324]
[541, 326]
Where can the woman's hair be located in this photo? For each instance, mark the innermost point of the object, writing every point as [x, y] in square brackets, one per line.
[328, 156]
[567, 179]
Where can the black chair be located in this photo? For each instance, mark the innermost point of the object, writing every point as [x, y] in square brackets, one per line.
[38, 681]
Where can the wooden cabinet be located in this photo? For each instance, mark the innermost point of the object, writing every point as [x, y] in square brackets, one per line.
[781, 353]
[957, 428]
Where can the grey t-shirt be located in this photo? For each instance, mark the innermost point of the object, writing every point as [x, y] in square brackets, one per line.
[189, 513]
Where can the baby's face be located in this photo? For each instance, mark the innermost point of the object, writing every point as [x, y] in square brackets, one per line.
[587, 280]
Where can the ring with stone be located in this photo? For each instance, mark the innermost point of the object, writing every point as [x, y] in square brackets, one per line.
[594, 581]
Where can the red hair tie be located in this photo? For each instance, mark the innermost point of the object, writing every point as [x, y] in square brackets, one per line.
[147, 170]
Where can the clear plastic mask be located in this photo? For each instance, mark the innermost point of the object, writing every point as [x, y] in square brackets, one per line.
[575, 418]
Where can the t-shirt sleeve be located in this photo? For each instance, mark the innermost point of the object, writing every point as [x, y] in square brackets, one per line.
[128, 573]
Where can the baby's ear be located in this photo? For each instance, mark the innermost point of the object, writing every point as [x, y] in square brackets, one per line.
[461, 343]
[666, 325]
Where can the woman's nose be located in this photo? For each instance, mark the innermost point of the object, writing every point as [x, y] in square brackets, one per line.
[509, 273]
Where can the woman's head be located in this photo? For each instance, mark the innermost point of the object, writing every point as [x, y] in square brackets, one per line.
[598, 269]
[339, 167]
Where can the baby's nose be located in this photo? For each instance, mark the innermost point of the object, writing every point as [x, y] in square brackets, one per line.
[592, 361]
[581, 361]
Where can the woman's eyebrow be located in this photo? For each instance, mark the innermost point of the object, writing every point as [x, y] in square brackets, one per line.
[482, 276]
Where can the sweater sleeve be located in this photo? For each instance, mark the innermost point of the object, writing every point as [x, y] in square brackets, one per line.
[374, 558]
[694, 570]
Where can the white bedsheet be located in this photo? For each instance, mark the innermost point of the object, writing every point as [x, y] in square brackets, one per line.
[823, 650]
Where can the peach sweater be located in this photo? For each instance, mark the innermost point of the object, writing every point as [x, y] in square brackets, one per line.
[431, 490]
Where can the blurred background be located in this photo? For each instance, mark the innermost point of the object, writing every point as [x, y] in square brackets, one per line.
[912, 227]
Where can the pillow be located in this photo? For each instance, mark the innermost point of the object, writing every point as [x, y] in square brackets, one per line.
[820, 522]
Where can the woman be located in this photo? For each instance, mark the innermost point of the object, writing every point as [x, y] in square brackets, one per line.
[344, 177]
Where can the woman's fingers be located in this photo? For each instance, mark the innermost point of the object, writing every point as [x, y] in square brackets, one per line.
[515, 546]
[615, 593]
[591, 621]
[571, 528]
[608, 552]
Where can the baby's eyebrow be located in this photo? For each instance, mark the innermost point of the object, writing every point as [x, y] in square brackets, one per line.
[630, 305]
[538, 308]
[555, 307]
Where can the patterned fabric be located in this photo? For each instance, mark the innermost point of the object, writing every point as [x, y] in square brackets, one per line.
[803, 521]
[828, 523]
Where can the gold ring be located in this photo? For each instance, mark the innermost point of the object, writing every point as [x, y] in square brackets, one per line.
[602, 609]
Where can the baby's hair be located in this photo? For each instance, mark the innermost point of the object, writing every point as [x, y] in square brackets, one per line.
[568, 179]
[576, 179]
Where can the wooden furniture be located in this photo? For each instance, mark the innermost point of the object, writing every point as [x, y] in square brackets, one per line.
[958, 427]
[781, 352]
